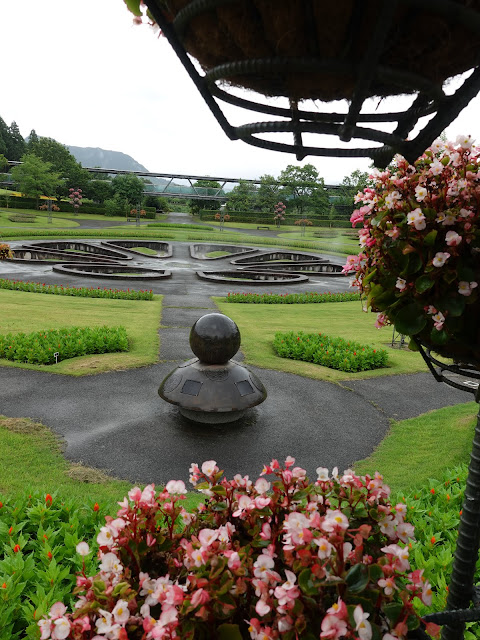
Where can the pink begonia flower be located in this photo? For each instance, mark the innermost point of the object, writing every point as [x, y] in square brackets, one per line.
[338, 609]
[209, 467]
[244, 503]
[430, 309]
[61, 628]
[420, 193]
[262, 564]
[262, 485]
[427, 594]
[333, 627]
[417, 218]
[388, 585]
[351, 264]
[322, 474]
[392, 198]
[262, 608]
[266, 532]
[200, 597]
[440, 258]
[452, 238]
[399, 556]
[225, 532]
[110, 563]
[207, 537]
[295, 524]
[393, 233]
[466, 288]
[447, 220]
[438, 320]
[234, 562]
[466, 213]
[363, 627]
[135, 494]
[104, 624]
[465, 142]
[335, 520]
[147, 498]
[324, 548]
[401, 284]
[437, 145]
[120, 612]
[175, 487]
[381, 320]
[82, 548]
[106, 536]
[285, 624]
[45, 628]
[57, 610]
[405, 531]
[436, 167]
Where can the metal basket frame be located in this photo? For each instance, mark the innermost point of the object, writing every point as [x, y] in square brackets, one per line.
[430, 97]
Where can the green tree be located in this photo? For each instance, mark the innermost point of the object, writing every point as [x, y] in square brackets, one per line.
[32, 140]
[3, 137]
[16, 146]
[129, 187]
[343, 198]
[98, 190]
[3, 162]
[35, 178]
[268, 193]
[243, 197]
[305, 190]
[205, 187]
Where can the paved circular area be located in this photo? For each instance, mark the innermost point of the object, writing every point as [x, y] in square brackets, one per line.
[117, 421]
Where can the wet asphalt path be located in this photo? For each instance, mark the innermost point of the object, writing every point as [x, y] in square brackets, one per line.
[117, 421]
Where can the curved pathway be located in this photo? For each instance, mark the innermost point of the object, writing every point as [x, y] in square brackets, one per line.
[117, 421]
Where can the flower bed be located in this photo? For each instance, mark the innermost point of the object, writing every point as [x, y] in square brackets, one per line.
[290, 298]
[272, 559]
[419, 266]
[335, 353]
[39, 347]
[81, 292]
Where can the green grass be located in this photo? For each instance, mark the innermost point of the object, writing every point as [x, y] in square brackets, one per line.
[31, 459]
[29, 312]
[40, 221]
[419, 449]
[146, 250]
[218, 254]
[258, 324]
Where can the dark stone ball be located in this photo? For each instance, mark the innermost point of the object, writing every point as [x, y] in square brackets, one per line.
[214, 338]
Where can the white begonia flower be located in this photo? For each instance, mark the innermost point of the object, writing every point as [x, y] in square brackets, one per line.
[82, 549]
[464, 141]
[120, 613]
[322, 474]
[440, 258]
[420, 193]
[466, 288]
[401, 284]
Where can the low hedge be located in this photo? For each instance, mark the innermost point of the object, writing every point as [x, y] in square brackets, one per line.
[79, 292]
[291, 298]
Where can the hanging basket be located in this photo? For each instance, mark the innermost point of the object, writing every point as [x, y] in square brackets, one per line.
[309, 49]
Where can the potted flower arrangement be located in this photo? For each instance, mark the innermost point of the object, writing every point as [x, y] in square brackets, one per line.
[5, 251]
[419, 266]
[264, 560]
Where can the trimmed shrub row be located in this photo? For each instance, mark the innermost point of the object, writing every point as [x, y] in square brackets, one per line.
[335, 353]
[291, 298]
[79, 292]
[40, 347]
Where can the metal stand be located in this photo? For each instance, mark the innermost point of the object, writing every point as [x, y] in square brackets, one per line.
[398, 338]
[462, 592]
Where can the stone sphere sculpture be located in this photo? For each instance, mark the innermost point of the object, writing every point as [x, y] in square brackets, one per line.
[212, 388]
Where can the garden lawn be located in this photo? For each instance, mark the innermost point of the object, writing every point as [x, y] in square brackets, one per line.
[31, 460]
[419, 449]
[27, 312]
[41, 222]
[258, 324]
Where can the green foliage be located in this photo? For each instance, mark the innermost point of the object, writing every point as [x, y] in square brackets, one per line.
[79, 292]
[290, 298]
[38, 560]
[117, 206]
[305, 188]
[128, 187]
[205, 187]
[39, 347]
[335, 353]
[243, 197]
[35, 177]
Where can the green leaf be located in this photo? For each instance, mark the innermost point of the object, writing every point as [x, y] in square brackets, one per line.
[375, 572]
[228, 631]
[133, 6]
[430, 238]
[306, 584]
[410, 320]
[357, 578]
[454, 306]
[393, 610]
[414, 264]
[219, 490]
[423, 283]
[439, 337]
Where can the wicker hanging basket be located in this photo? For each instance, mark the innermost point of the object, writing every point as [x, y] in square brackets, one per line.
[311, 49]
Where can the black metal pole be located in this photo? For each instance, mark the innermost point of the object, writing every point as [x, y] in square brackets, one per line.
[466, 554]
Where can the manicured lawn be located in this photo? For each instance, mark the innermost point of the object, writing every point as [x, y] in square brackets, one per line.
[258, 324]
[39, 223]
[29, 312]
[422, 448]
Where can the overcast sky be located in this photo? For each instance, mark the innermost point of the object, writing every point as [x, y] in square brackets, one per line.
[80, 72]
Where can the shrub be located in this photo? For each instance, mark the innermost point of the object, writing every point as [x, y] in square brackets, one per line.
[80, 292]
[39, 347]
[282, 558]
[291, 298]
[335, 353]
[5, 251]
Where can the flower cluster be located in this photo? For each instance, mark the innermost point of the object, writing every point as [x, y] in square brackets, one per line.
[420, 241]
[304, 222]
[81, 292]
[279, 212]
[75, 196]
[265, 559]
[53, 207]
[5, 251]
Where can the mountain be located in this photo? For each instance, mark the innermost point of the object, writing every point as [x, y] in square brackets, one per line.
[96, 157]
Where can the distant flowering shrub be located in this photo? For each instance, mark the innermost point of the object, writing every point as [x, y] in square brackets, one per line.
[304, 222]
[335, 353]
[81, 292]
[291, 298]
[419, 267]
[277, 558]
[5, 251]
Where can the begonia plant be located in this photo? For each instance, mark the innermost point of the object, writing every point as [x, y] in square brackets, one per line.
[278, 557]
[419, 264]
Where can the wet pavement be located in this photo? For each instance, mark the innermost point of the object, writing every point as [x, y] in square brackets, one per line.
[117, 421]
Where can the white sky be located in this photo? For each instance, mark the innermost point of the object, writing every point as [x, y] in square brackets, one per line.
[78, 71]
